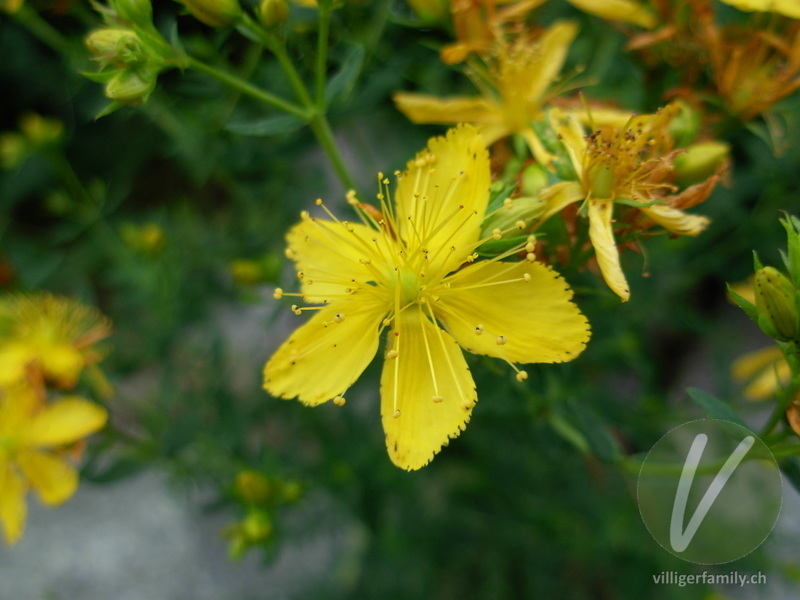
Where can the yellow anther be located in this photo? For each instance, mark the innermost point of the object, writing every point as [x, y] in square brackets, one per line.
[508, 203]
[438, 399]
[396, 414]
[339, 401]
[520, 224]
[277, 294]
[478, 329]
[318, 202]
[296, 310]
[304, 215]
[496, 233]
[522, 376]
[526, 277]
[289, 254]
[338, 318]
[391, 354]
[529, 247]
[530, 256]
[501, 340]
[301, 275]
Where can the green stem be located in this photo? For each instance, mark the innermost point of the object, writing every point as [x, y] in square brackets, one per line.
[247, 88]
[322, 53]
[319, 124]
[45, 32]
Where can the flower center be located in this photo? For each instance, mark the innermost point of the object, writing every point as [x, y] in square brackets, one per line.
[408, 286]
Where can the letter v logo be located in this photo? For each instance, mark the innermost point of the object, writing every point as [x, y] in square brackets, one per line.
[679, 538]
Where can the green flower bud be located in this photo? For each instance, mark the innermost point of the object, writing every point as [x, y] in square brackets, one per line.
[684, 126]
[700, 162]
[257, 526]
[14, 150]
[135, 12]
[40, 131]
[776, 301]
[513, 218]
[533, 180]
[431, 11]
[253, 487]
[273, 12]
[214, 13]
[119, 46]
[131, 86]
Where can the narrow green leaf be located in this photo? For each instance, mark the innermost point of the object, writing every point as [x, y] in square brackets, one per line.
[274, 125]
[714, 407]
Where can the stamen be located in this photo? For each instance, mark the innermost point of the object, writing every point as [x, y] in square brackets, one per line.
[339, 401]
[277, 294]
[501, 340]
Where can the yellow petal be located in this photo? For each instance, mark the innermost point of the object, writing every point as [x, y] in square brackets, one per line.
[62, 363]
[559, 196]
[605, 247]
[442, 197]
[427, 392]
[553, 46]
[618, 10]
[324, 357]
[789, 8]
[571, 133]
[52, 476]
[65, 421]
[12, 502]
[531, 313]
[328, 254]
[763, 369]
[13, 360]
[422, 108]
[676, 221]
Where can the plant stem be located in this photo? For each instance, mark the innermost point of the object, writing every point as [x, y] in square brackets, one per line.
[247, 88]
[45, 32]
[322, 53]
[319, 124]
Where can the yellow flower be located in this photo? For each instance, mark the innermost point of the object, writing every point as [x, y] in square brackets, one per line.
[33, 436]
[11, 6]
[789, 8]
[763, 371]
[627, 164]
[412, 269]
[51, 334]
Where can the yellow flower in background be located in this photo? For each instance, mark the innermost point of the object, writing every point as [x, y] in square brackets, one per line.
[520, 83]
[412, 269]
[11, 6]
[33, 439]
[763, 371]
[51, 334]
[788, 8]
[620, 165]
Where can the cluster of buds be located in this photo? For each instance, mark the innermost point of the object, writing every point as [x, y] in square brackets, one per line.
[130, 51]
[261, 496]
[777, 296]
[36, 134]
[222, 14]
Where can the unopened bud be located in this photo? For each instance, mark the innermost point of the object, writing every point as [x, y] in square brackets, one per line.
[119, 46]
[685, 124]
[131, 86]
[14, 150]
[214, 13]
[257, 526]
[273, 12]
[776, 301]
[700, 162]
[135, 12]
[40, 131]
[533, 180]
[431, 11]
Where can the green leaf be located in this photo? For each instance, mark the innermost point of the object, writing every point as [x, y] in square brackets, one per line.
[274, 125]
[342, 84]
[495, 247]
[594, 430]
[748, 307]
[714, 407]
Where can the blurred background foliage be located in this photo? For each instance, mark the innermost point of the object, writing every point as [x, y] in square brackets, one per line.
[170, 218]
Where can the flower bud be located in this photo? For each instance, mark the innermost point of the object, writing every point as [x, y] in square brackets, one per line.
[214, 13]
[14, 150]
[257, 526]
[40, 131]
[273, 12]
[533, 180]
[508, 217]
[135, 12]
[700, 162]
[11, 6]
[253, 487]
[685, 124]
[776, 301]
[131, 86]
[119, 46]
[431, 11]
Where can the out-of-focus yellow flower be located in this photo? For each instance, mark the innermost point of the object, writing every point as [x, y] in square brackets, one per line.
[763, 371]
[754, 68]
[412, 268]
[50, 334]
[628, 165]
[789, 8]
[11, 6]
[520, 83]
[627, 11]
[148, 238]
[214, 13]
[33, 439]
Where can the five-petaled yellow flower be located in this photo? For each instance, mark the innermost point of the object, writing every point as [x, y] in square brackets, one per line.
[518, 85]
[622, 165]
[412, 268]
[33, 439]
[50, 334]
